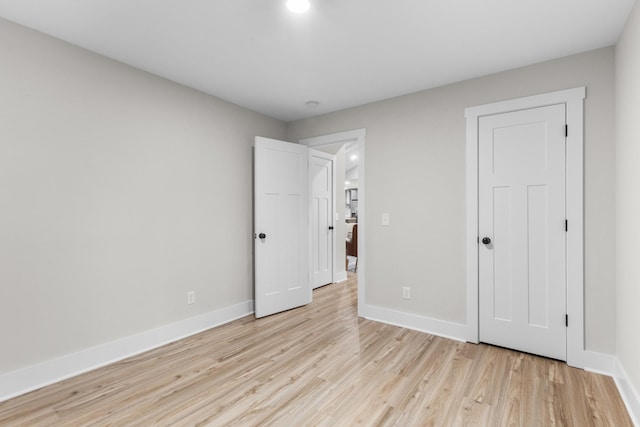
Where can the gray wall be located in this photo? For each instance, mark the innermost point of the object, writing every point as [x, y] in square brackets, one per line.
[415, 162]
[628, 196]
[119, 192]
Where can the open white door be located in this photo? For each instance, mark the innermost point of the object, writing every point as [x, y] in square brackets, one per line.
[281, 219]
[322, 217]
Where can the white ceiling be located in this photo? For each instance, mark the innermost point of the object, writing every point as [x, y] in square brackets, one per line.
[342, 53]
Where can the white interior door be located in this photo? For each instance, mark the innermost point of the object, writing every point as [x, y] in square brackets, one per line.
[522, 253]
[322, 224]
[281, 212]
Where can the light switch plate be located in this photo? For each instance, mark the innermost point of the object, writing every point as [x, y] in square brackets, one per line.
[385, 219]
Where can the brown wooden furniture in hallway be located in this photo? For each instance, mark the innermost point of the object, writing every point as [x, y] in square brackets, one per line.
[352, 242]
[352, 246]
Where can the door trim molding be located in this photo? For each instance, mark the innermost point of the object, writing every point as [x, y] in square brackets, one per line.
[574, 101]
[359, 136]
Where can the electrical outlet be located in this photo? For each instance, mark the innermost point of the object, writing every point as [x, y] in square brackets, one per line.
[406, 292]
[191, 297]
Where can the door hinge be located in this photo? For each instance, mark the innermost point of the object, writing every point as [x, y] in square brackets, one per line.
[566, 130]
[478, 239]
[566, 225]
[566, 320]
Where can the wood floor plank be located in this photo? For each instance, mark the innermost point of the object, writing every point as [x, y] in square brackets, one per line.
[321, 365]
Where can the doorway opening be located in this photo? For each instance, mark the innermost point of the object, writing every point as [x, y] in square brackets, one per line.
[349, 204]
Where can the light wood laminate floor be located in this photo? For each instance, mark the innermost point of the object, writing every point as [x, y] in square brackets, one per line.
[321, 365]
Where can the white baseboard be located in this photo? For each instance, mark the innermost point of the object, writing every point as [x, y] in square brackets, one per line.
[442, 328]
[629, 393]
[341, 277]
[610, 365]
[599, 363]
[31, 378]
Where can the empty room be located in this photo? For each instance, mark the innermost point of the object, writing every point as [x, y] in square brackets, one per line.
[319, 213]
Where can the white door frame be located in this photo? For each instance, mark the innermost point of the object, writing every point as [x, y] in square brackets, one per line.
[358, 136]
[574, 101]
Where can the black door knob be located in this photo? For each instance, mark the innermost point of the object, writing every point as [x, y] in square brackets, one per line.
[262, 236]
[486, 240]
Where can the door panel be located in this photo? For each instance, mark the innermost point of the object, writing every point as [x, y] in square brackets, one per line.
[281, 214]
[521, 189]
[321, 168]
[502, 308]
[538, 211]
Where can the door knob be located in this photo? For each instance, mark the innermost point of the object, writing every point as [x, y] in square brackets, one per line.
[262, 236]
[486, 240]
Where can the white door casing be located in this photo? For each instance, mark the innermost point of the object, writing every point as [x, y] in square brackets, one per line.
[281, 239]
[521, 208]
[322, 222]
[573, 99]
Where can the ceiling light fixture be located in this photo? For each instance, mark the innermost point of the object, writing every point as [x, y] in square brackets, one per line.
[298, 6]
